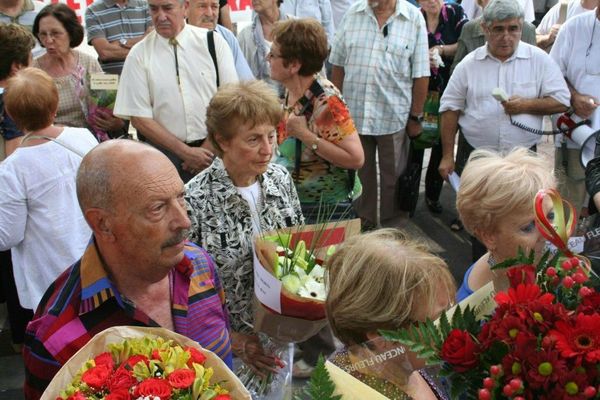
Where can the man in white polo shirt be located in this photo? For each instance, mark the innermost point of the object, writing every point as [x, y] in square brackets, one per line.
[532, 82]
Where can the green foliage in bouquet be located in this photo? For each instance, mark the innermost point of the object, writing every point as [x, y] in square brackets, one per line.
[320, 386]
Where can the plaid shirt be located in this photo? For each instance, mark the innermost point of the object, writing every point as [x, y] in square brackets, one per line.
[83, 302]
[380, 65]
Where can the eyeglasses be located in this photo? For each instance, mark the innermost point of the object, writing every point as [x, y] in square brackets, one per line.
[50, 35]
[512, 30]
[271, 55]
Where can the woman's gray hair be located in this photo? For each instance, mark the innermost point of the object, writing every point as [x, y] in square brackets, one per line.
[501, 10]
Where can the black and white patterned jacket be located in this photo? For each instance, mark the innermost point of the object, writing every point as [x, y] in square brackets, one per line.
[222, 224]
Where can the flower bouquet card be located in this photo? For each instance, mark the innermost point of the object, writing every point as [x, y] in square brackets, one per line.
[101, 101]
[138, 362]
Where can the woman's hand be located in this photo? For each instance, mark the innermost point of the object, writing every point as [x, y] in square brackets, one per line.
[297, 126]
[106, 121]
[250, 351]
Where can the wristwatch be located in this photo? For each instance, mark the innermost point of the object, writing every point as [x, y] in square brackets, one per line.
[123, 43]
[314, 147]
[416, 118]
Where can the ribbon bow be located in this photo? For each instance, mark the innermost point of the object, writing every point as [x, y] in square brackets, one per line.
[558, 231]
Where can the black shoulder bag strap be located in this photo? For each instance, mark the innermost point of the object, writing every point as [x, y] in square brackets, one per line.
[213, 54]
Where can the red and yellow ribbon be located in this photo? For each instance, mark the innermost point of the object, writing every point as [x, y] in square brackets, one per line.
[560, 230]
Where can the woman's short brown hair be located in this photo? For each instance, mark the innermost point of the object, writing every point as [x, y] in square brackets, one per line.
[236, 104]
[31, 99]
[303, 40]
[66, 16]
[381, 280]
[16, 43]
[494, 186]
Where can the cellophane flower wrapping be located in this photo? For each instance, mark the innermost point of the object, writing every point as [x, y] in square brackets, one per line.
[171, 375]
[99, 101]
[291, 318]
[542, 338]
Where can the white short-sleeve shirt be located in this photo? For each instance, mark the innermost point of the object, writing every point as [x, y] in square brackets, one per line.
[577, 54]
[40, 218]
[149, 88]
[529, 73]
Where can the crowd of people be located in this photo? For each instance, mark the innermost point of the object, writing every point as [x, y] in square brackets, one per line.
[315, 105]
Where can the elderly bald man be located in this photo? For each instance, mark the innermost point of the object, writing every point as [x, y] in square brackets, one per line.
[138, 270]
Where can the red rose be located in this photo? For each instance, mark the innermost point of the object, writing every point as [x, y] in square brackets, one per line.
[97, 377]
[76, 396]
[223, 397]
[104, 359]
[131, 361]
[524, 274]
[119, 394]
[196, 356]
[154, 387]
[460, 350]
[121, 379]
[182, 378]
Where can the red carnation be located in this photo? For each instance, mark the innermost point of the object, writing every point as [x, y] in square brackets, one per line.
[223, 397]
[460, 350]
[182, 378]
[97, 377]
[196, 356]
[105, 359]
[581, 339]
[121, 379]
[154, 387]
[524, 274]
[120, 394]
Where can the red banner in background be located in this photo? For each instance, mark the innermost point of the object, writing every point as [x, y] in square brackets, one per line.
[79, 6]
[239, 5]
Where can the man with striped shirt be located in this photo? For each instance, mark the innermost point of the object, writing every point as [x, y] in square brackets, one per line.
[113, 27]
[138, 269]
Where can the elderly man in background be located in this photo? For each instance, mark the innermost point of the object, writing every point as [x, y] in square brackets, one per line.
[113, 27]
[168, 80]
[528, 76]
[205, 14]
[380, 60]
[473, 37]
[139, 269]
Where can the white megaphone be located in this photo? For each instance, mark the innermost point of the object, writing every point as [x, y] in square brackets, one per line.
[577, 130]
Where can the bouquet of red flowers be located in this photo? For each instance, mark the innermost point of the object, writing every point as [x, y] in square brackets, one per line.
[543, 339]
[144, 366]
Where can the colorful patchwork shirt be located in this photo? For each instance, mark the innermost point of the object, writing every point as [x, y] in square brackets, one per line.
[83, 302]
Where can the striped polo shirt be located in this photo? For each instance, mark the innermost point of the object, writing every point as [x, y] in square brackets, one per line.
[83, 302]
[107, 19]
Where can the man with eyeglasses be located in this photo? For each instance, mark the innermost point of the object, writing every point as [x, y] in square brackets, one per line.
[167, 81]
[531, 82]
[577, 53]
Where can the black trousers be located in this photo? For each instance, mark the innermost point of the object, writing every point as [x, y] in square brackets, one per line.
[18, 317]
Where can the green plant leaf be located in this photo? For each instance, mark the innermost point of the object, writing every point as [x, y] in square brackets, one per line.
[320, 386]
